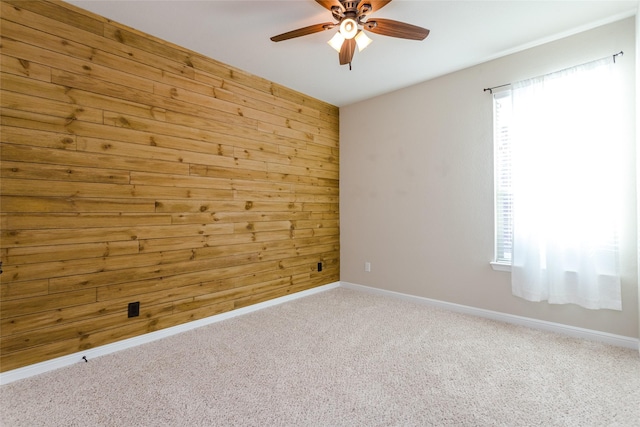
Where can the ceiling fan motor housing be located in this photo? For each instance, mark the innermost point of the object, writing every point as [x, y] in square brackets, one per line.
[349, 9]
[350, 5]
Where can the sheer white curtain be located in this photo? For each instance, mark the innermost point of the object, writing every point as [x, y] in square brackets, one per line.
[566, 187]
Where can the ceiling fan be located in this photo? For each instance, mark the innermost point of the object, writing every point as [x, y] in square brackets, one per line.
[351, 16]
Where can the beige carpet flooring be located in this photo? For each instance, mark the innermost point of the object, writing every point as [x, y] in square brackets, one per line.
[341, 358]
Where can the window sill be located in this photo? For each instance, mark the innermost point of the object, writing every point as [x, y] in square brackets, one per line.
[500, 266]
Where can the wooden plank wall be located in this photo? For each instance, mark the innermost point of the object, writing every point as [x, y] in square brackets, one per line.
[136, 170]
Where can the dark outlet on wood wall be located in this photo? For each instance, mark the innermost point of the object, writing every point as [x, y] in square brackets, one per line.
[319, 266]
[134, 309]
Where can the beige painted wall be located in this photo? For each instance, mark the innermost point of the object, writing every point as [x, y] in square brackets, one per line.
[416, 189]
[638, 140]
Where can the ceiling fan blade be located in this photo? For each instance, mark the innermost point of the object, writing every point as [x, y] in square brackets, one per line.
[311, 29]
[347, 50]
[376, 4]
[327, 4]
[391, 28]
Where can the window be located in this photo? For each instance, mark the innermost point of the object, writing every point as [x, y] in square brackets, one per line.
[503, 192]
[557, 185]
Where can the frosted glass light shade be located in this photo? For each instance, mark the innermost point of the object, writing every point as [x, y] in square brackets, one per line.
[336, 41]
[362, 40]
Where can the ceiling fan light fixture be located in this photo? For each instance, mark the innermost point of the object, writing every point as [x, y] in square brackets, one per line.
[352, 19]
[362, 40]
[336, 41]
[348, 28]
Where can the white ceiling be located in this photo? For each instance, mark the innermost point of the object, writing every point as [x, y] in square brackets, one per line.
[463, 33]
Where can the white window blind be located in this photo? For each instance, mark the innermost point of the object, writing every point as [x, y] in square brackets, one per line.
[502, 174]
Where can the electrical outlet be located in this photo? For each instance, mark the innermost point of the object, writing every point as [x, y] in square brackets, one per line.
[134, 309]
[367, 267]
[319, 267]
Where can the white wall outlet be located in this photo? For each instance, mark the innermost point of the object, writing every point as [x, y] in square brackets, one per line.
[367, 267]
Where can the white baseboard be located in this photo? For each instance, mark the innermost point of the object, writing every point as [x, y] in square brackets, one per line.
[50, 365]
[572, 331]
[53, 364]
